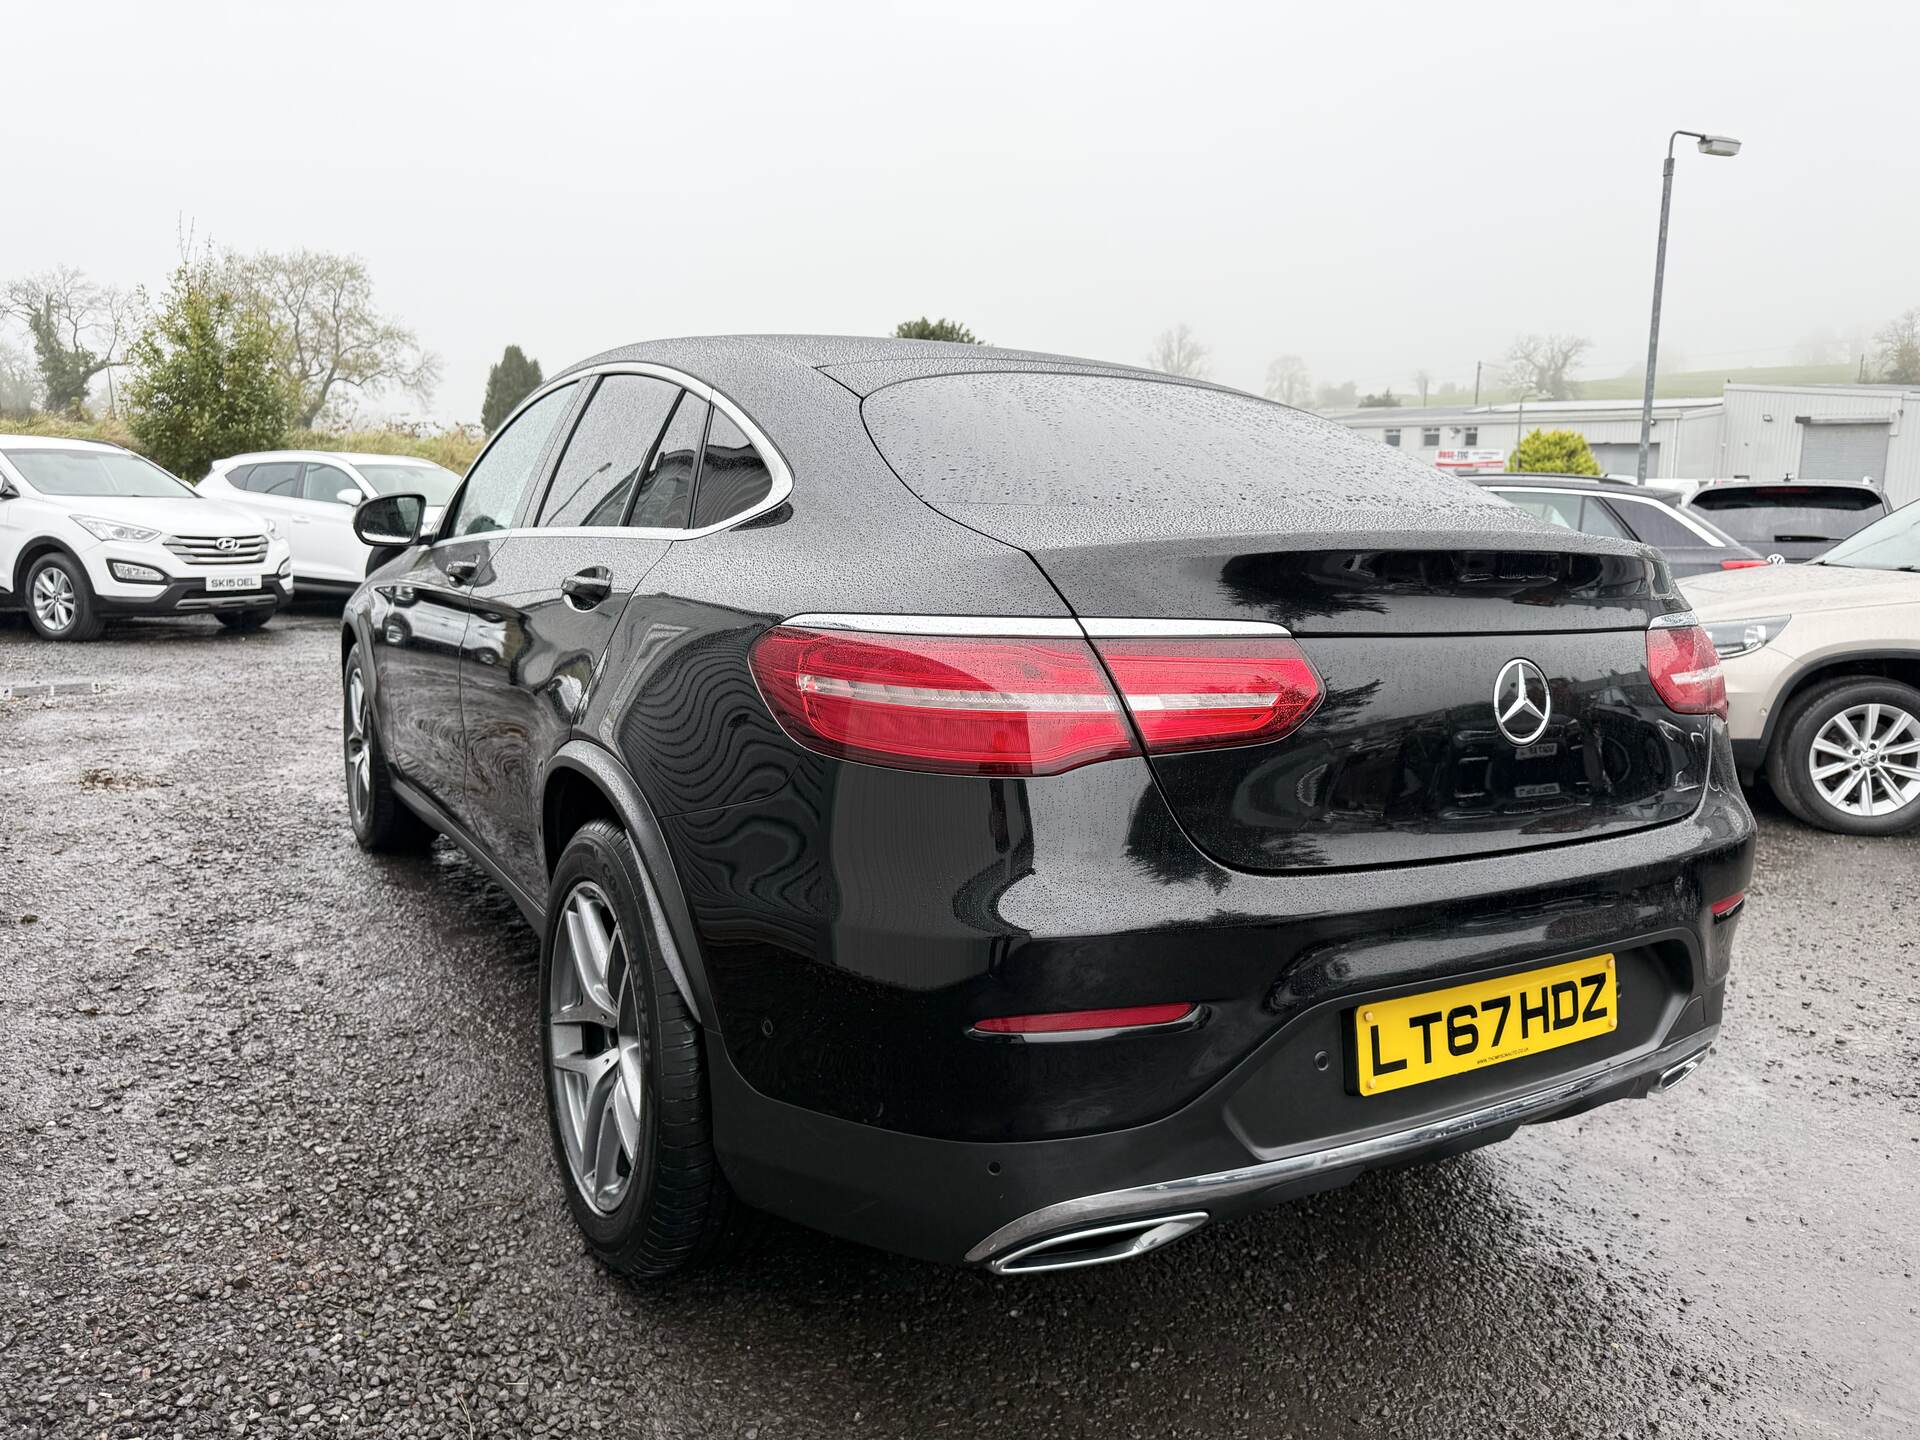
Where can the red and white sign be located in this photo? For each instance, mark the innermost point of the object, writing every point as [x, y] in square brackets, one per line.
[1495, 460]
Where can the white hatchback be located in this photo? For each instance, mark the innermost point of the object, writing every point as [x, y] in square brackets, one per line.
[312, 494]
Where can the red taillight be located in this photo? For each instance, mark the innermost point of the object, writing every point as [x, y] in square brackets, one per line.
[1743, 564]
[1203, 692]
[1722, 909]
[1025, 704]
[962, 705]
[1686, 670]
[1062, 1022]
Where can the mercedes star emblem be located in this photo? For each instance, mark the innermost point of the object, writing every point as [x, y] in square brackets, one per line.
[1521, 703]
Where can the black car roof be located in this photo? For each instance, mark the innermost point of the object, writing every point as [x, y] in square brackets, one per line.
[862, 363]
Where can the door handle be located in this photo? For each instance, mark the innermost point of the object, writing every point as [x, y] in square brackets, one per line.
[587, 588]
[461, 571]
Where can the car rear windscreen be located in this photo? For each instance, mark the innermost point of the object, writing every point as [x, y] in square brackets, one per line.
[1143, 447]
[1772, 513]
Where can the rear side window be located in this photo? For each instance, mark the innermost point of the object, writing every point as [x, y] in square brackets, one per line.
[1658, 526]
[666, 493]
[1570, 511]
[595, 479]
[278, 477]
[733, 476]
[499, 478]
[237, 477]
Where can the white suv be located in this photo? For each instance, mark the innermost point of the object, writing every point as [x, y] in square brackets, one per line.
[90, 530]
[312, 494]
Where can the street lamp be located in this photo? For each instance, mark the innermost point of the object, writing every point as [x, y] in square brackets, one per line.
[1721, 145]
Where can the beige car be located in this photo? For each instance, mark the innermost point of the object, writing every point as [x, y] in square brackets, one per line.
[1822, 663]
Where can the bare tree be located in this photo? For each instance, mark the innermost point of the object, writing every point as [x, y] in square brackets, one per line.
[1288, 381]
[1178, 352]
[329, 334]
[19, 385]
[78, 328]
[1423, 382]
[1899, 354]
[1538, 364]
[1820, 346]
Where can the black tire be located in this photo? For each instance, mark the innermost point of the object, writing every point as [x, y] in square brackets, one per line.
[86, 623]
[676, 1212]
[244, 619]
[1790, 762]
[382, 823]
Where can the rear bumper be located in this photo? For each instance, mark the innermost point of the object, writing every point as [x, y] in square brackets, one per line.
[1268, 1182]
[970, 1203]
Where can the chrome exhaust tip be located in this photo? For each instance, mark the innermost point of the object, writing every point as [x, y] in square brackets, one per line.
[1674, 1074]
[1098, 1244]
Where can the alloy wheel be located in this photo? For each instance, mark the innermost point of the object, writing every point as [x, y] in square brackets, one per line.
[359, 755]
[1866, 760]
[598, 1057]
[54, 600]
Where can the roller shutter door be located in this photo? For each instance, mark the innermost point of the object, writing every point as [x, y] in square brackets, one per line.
[1843, 452]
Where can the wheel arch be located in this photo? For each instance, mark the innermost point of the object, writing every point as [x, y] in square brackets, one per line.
[583, 783]
[1891, 663]
[33, 550]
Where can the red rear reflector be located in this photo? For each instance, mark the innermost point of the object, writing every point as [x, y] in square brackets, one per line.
[964, 705]
[1685, 670]
[1205, 692]
[1126, 1018]
[1723, 908]
[1743, 564]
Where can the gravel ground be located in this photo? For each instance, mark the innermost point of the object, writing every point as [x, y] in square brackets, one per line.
[272, 1161]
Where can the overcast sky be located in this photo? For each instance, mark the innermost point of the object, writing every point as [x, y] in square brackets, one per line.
[1378, 188]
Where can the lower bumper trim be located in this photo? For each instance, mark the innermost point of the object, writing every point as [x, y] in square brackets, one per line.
[1667, 1066]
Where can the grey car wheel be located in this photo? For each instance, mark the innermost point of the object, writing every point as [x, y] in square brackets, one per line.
[1847, 756]
[59, 600]
[1865, 760]
[381, 819]
[627, 1100]
[596, 1049]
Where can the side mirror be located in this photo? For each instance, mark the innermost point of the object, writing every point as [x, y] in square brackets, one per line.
[390, 520]
[7, 492]
[349, 496]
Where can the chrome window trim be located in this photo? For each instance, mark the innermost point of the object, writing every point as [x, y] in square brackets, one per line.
[1677, 513]
[1102, 627]
[776, 495]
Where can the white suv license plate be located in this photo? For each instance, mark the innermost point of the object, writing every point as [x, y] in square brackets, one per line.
[218, 583]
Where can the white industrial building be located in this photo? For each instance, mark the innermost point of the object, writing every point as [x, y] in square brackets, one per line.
[1759, 432]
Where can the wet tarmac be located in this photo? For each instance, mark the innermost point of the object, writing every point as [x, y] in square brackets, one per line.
[272, 1161]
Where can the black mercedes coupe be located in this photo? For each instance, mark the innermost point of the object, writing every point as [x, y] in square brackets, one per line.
[1016, 810]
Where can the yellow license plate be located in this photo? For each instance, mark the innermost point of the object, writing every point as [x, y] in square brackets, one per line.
[1418, 1038]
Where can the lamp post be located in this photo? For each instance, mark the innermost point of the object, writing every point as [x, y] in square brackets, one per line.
[1722, 145]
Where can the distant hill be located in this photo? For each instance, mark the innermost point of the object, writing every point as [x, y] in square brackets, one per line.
[1672, 385]
[1678, 383]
